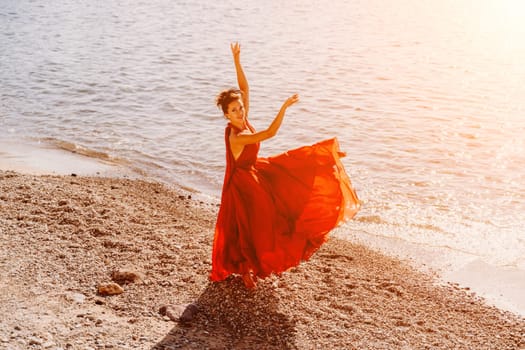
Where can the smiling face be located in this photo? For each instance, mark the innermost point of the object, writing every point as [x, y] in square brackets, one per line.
[236, 114]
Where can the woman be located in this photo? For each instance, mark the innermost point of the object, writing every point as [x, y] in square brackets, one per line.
[276, 211]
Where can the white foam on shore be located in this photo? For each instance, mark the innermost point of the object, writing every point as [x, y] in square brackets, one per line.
[40, 159]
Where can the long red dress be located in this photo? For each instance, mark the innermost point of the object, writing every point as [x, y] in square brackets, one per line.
[277, 211]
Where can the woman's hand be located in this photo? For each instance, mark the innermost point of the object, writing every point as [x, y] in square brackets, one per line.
[236, 50]
[291, 100]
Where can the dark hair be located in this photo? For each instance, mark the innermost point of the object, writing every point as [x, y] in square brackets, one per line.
[225, 97]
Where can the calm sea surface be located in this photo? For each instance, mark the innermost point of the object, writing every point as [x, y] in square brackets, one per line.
[426, 97]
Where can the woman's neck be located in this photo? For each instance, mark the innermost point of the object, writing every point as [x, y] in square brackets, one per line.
[239, 126]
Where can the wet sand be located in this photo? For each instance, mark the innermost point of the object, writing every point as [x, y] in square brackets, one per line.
[39, 159]
[64, 236]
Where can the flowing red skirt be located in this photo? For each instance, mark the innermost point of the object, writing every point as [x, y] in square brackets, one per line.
[276, 212]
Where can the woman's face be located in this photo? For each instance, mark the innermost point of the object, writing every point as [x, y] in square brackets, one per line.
[236, 113]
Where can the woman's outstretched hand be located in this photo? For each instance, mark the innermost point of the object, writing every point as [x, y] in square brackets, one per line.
[236, 50]
[291, 100]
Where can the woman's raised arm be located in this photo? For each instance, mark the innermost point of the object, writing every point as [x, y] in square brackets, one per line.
[241, 77]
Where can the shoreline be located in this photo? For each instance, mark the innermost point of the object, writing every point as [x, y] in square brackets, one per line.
[38, 159]
[64, 236]
[500, 286]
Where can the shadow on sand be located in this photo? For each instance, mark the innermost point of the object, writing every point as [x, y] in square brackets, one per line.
[232, 317]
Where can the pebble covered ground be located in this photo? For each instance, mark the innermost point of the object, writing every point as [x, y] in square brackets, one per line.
[109, 263]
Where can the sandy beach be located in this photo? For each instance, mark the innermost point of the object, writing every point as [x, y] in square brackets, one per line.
[112, 158]
[64, 237]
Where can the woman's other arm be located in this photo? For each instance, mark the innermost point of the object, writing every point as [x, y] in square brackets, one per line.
[245, 139]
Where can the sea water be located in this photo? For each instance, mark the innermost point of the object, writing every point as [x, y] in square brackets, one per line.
[426, 97]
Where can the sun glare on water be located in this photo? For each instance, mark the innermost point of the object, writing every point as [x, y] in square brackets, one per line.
[503, 22]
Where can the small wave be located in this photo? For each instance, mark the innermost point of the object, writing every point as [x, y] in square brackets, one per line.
[85, 91]
[74, 148]
[429, 227]
[374, 219]
[468, 136]
[87, 111]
